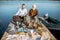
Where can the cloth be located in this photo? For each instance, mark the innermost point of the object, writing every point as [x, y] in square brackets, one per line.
[21, 29]
[22, 12]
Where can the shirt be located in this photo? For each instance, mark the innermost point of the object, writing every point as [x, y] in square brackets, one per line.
[33, 12]
[22, 12]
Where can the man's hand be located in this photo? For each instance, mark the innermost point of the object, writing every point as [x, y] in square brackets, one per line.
[35, 17]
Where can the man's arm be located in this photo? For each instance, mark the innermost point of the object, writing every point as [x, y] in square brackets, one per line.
[25, 12]
[29, 13]
[18, 12]
[37, 13]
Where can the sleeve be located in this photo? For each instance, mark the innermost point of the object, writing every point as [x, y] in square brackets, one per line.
[25, 12]
[36, 12]
[18, 12]
[29, 13]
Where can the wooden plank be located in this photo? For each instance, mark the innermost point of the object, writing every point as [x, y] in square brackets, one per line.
[52, 37]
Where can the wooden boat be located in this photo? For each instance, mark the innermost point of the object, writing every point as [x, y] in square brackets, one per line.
[41, 29]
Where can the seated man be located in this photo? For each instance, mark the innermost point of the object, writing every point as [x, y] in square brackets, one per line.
[20, 14]
[33, 12]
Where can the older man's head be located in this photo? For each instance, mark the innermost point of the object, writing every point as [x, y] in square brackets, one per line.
[34, 7]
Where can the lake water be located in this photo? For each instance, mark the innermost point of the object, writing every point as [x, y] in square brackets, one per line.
[9, 8]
